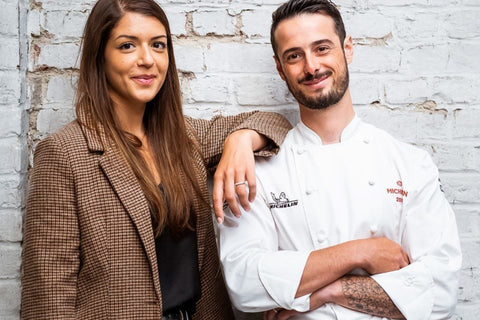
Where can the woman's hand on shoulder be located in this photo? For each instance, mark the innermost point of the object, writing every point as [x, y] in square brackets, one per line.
[234, 179]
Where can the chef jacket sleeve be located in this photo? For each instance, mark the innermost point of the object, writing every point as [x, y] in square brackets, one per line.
[259, 277]
[427, 288]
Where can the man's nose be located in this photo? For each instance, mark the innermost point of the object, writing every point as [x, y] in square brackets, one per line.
[311, 64]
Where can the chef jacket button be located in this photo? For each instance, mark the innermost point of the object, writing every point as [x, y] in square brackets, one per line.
[321, 238]
[366, 141]
[301, 151]
[373, 229]
[409, 280]
[309, 191]
[371, 182]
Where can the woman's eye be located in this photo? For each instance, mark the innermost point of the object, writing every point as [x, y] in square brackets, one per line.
[126, 46]
[159, 45]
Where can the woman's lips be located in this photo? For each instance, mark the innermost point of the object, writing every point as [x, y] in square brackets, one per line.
[144, 79]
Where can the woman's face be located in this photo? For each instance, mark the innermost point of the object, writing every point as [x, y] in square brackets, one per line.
[136, 59]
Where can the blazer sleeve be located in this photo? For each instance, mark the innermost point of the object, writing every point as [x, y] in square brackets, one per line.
[51, 246]
[211, 134]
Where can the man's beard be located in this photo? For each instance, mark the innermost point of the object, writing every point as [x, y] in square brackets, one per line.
[322, 101]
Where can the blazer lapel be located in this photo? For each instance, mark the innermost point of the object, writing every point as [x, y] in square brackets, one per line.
[131, 195]
[129, 192]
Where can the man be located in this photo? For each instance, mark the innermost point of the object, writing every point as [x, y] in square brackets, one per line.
[320, 240]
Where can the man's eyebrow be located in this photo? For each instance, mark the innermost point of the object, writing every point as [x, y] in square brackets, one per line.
[136, 38]
[315, 43]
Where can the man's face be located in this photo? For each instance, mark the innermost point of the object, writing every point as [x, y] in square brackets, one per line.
[312, 60]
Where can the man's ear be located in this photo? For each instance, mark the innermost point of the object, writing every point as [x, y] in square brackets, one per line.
[348, 49]
[279, 68]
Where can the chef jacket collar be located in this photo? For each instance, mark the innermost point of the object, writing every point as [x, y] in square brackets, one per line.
[312, 137]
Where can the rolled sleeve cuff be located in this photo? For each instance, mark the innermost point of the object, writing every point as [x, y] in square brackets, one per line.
[280, 273]
[411, 290]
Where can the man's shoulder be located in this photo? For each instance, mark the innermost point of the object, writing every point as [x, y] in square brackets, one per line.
[387, 141]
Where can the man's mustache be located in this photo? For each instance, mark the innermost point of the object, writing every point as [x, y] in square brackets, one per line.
[317, 75]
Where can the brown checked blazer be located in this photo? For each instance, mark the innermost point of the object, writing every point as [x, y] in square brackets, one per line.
[89, 250]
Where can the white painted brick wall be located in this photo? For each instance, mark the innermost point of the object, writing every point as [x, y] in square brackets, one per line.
[415, 73]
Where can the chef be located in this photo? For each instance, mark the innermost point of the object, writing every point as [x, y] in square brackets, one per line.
[319, 241]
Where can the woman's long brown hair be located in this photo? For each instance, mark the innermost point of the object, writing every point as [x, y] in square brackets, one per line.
[163, 119]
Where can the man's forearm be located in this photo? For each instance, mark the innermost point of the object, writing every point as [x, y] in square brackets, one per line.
[324, 266]
[363, 294]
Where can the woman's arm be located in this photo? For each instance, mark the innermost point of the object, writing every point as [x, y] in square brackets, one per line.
[51, 237]
[247, 132]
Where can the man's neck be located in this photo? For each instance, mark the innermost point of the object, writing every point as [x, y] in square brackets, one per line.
[329, 123]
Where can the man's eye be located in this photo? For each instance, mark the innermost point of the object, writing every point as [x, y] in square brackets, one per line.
[293, 56]
[322, 49]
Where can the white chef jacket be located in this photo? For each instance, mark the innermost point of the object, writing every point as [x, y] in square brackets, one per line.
[311, 196]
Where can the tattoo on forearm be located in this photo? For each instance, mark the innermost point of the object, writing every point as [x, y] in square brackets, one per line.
[363, 294]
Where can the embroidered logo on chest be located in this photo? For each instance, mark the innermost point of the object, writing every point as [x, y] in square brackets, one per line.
[281, 202]
[398, 191]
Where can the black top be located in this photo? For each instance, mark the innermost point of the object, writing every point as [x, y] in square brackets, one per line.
[177, 259]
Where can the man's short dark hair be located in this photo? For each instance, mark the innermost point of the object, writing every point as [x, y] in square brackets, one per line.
[296, 7]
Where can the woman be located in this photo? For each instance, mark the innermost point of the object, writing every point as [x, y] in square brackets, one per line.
[118, 223]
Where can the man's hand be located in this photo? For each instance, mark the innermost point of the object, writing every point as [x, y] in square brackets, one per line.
[235, 173]
[279, 314]
[381, 255]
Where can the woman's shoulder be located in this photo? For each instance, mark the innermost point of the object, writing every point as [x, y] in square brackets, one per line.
[69, 137]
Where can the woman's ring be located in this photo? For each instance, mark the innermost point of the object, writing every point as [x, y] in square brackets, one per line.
[240, 183]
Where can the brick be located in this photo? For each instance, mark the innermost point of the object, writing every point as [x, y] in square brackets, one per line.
[462, 188]
[177, 19]
[365, 89]
[34, 22]
[11, 154]
[10, 87]
[9, 51]
[426, 59]
[257, 22]
[456, 21]
[236, 57]
[422, 27]
[456, 89]
[459, 157]
[217, 22]
[11, 124]
[61, 56]
[367, 24]
[465, 123]
[261, 90]
[77, 5]
[51, 120]
[207, 88]
[11, 226]
[9, 297]
[375, 59]
[468, 220]
[470, 274]
[61, 89]
[407, 125]
[65, 23]
[9, 19]
[407, 91]
[11, 192]
[462, 57]
[189, 58]
[11, 257]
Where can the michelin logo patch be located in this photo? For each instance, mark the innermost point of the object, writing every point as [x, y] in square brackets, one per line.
[281, 202]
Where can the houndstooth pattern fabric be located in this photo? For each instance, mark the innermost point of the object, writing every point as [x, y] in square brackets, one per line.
[89, 250]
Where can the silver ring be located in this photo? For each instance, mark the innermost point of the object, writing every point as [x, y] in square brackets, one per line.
[240, 183]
